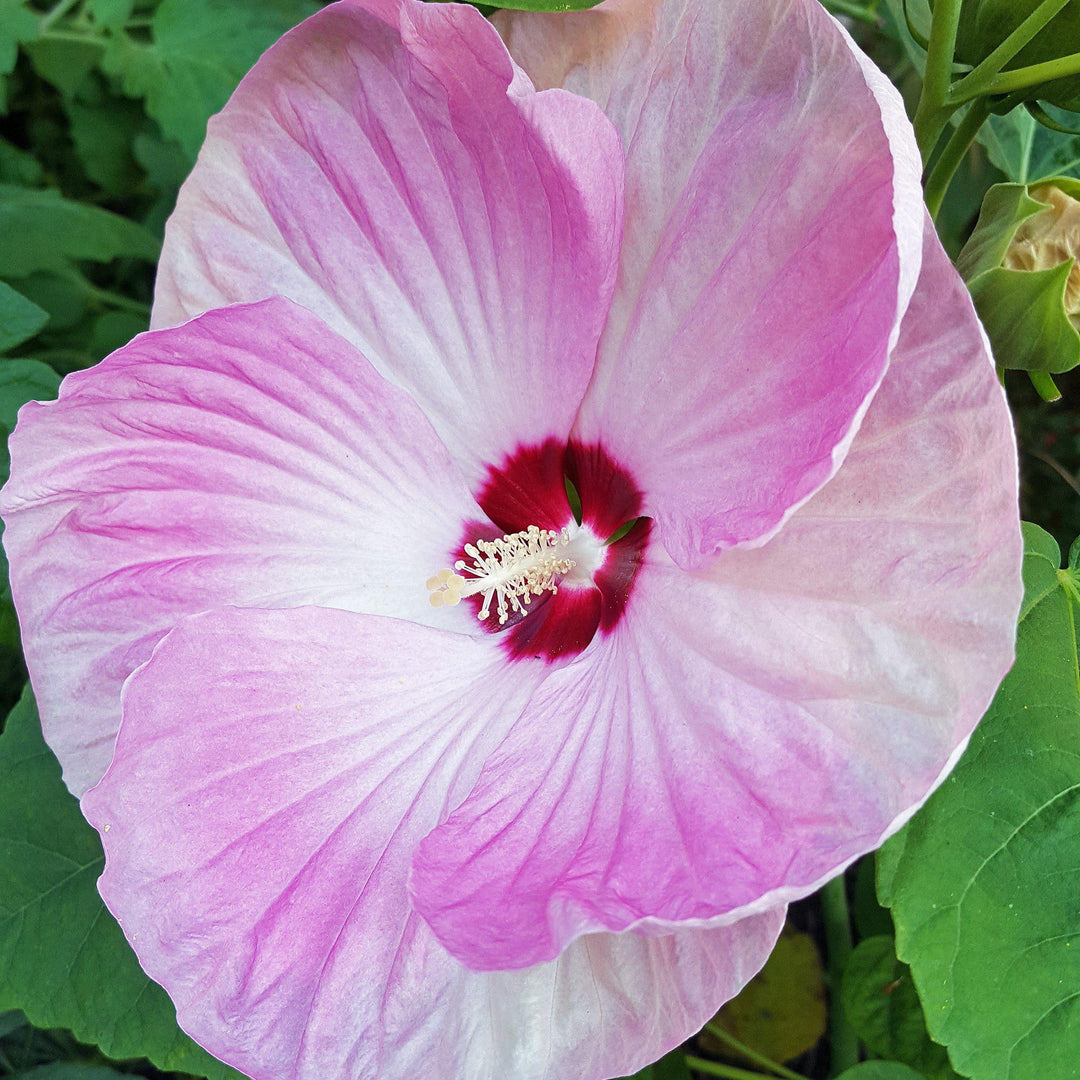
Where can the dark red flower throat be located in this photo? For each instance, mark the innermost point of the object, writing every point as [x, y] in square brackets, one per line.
[534, 487]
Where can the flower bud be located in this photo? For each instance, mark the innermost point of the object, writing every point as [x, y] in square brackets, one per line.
[1049, 238]
[1020, 265]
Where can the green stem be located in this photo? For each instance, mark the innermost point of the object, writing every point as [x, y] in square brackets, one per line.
[715, 1068]
[1045, 386]
[57, 11]
[937, 183]
[80, 37]
[1054, 464]
[1006, 82]
[975, 82]
[855, 11]
[751, 1054]
[843, 1045]
[932, 114]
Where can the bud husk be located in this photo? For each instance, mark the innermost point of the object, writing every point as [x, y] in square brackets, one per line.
[1020, 265]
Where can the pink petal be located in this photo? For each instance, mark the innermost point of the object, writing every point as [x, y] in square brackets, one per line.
[249, 457]
[771, 243]
[273, 774]
[754, 728]
[387, 166]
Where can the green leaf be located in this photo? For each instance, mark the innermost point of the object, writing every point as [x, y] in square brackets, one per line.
[20, 381]
[62, 297]
[63, 959]
[984, 25]
[18, 25]
[19, 318]
[41, 230]
[897, 23]
[671, 1067]
[200, 51]
[65, 64]
[781, 1012]
[71, 1070]
[880, 1070]
[1027, 151]
[880, 1001]
[17, 166]
[984, 882]
[103, 134]
[113, 329]
[11, 1020]
[871, 919]
[111, 13]
[166, 167]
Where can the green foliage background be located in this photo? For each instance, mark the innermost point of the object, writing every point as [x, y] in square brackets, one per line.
[972, 967]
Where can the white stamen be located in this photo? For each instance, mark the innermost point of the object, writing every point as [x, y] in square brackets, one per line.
[511, 570]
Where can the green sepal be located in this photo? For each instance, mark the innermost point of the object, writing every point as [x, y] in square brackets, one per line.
[1024, 316]
[1023, 311]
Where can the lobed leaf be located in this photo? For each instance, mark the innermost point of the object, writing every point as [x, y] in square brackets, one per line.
[41, 230]
[880, 1001]
[20, 381]
[671, 1067]
[984, 883]
[70, 1070]
[1027, 151]
[880, 1070]
[111, 13]
[18, 25]
[200, 51]
[63, 958]
[781, 1012]
[20, 318]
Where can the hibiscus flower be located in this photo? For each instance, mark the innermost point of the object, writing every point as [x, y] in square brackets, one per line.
[560, 534]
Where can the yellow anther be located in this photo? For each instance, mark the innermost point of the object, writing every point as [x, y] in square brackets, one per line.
[445, 588]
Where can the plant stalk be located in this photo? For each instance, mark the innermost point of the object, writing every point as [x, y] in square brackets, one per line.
[753, 1055]
[932, 113]
[1044, 385]
[728, 1072]
[937, 183]
[854, 11]
[976, 81]
[843, 1044]
[1006, 82]
[57, 11]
